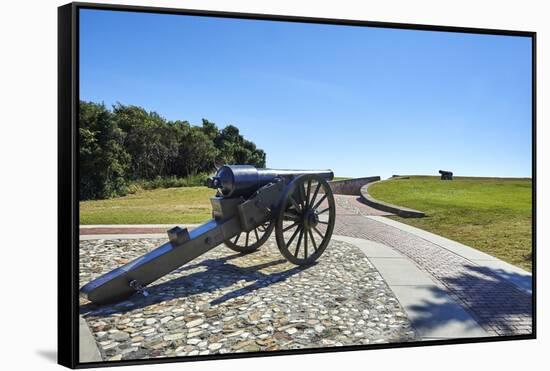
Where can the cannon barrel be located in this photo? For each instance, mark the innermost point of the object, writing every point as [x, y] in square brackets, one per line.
[243, 180]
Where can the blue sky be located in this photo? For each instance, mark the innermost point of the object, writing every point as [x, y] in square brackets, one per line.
[359, 100]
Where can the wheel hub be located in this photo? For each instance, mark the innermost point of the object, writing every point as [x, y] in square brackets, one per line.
[311, 219]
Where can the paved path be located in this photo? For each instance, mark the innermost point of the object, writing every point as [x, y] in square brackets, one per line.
[414, 288]
[226, 302]
[352, 205]
[494, 296]
[88, 350]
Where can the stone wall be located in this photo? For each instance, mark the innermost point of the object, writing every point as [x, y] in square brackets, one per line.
[351, 186]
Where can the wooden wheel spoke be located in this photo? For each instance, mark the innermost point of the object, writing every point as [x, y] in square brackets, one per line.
[308, 193]
[302, 200]
[299, 242]
[305, 245]
[291, 216]
[307, 199]
[312, 240]
[293, 237]
[319, 232]
[290, 227]
[320, 201]
[324, 211]
[252, 240]
[315, 193]
[295, 204]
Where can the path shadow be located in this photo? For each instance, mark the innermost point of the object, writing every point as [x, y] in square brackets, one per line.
[486, 294]
[49, 355]
[523, 281]
[218, 274]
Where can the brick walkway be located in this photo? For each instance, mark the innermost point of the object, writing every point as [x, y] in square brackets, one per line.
[497, 305]
[351, 205]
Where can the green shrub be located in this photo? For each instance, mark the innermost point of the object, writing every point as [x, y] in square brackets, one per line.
[196, 180]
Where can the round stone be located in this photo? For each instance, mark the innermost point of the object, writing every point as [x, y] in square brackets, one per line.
[250, 303]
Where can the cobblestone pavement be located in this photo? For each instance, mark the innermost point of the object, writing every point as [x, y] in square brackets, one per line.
[497, 305]
[226, 302]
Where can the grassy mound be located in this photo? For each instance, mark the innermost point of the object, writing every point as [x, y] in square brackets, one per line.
[490, 214]
[159, 206]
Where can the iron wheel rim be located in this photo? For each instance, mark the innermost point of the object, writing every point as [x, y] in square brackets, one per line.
[306, 219]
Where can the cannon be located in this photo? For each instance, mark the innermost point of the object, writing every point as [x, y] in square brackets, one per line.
[446, 175]
[249, 204]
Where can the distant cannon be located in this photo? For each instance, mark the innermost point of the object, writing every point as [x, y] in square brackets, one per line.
[446, 175]
[250, 203]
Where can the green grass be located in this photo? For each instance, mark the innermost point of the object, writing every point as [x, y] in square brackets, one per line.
[159, 206]
[490, 214]
[341, 178]
[180, 204]
[196, 180]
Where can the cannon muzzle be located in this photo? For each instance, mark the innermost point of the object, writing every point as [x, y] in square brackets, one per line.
[244, 180]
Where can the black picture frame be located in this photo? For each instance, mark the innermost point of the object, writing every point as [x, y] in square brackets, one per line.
[68, 175]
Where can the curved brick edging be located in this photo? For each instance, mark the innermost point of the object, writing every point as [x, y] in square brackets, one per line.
[492, 291]
[384, 206]
[351, 186]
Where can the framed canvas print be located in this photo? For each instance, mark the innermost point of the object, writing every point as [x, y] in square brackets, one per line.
[237, 185]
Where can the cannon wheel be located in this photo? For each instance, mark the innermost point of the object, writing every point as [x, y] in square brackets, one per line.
[305, 221]
[243, 241]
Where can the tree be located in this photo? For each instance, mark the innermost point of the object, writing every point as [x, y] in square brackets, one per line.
[234, 149]
[147, 139]
[197, 152]
[210, 129]
[130, 144]
[103, 159]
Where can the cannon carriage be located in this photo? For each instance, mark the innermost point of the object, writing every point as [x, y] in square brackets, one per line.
[250, 204]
